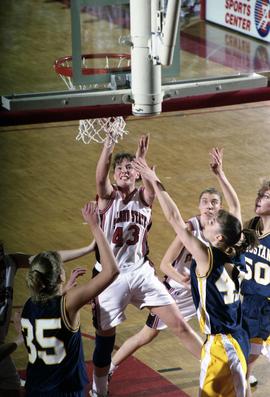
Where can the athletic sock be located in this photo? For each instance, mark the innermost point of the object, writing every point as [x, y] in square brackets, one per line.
[100, 384]
[113, 368]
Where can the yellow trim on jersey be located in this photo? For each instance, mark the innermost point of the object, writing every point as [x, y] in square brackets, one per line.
[202, 321]
[65, 316]
[210, 262]
[267, 341]
[202, 280]
[210, 259]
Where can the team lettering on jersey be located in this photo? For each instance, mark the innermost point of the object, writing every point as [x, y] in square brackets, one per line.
[130, 216]
[261, 251]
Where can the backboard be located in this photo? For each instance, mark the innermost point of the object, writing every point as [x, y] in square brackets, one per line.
[117, 14]
[75, 27]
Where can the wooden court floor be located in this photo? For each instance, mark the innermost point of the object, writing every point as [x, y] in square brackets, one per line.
[46, 176]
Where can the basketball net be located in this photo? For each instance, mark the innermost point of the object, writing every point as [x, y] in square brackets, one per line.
[100, 130]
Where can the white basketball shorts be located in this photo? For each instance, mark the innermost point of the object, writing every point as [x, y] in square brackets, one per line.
[140, 287]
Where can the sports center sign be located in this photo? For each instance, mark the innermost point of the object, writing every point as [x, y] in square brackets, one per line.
[251, 17]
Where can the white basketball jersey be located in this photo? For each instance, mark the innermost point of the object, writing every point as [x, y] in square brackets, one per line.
[125, 222]
[184, 259]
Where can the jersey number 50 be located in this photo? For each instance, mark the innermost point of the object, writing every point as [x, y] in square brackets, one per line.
[259, 271]
[52, 343]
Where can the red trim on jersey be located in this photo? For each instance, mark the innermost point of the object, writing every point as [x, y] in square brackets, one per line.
[126, 199]
[190, 225]
[141, 194]
[110, 202]
[129, 197]
[145, 246]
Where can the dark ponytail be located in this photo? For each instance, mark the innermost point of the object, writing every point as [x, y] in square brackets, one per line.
[236, 239]
[249, 240]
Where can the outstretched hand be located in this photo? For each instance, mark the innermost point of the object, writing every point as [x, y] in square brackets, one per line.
[216, 157]
[72, 282]
[89, 213]
[144, 170]
[143, 146]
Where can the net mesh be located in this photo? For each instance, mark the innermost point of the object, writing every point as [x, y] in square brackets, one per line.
[99, 130]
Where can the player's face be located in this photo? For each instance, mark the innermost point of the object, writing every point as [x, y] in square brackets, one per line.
[212, 230]
[209, 205]
[262, 203]
[124, 174]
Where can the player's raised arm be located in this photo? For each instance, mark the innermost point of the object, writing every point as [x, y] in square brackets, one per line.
[198, 250]
[79, 296]
[143, 146]
[103, 183]
[230, 195]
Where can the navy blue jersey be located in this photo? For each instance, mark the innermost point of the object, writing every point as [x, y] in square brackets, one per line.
[257, 279]
[239, 261]
[217, 295]
[55, 353]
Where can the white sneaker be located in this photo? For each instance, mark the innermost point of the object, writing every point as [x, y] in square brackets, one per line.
[93, 393]
[22, 382]
[252, 381]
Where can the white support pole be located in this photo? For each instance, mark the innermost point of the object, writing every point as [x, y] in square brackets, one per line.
[170, 32]
[145, 75]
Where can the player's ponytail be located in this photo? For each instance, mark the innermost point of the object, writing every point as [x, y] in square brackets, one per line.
[44, 276]
[235, 239]
[249, 240]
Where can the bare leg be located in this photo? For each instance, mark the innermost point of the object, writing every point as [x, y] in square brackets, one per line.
[251, 362]
[143, 337]
[172, 317]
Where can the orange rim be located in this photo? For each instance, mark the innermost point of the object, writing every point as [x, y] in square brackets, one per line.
[65, 70]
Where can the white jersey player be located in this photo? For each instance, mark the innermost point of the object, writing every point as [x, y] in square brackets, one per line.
[182, 293]
[125, 219]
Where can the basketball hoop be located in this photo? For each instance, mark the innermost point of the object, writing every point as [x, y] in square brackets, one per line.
[109, 68]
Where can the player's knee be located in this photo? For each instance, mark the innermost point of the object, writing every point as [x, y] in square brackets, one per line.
[103, 350]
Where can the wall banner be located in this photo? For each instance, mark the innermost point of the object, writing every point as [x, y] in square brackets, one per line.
[251, 17]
